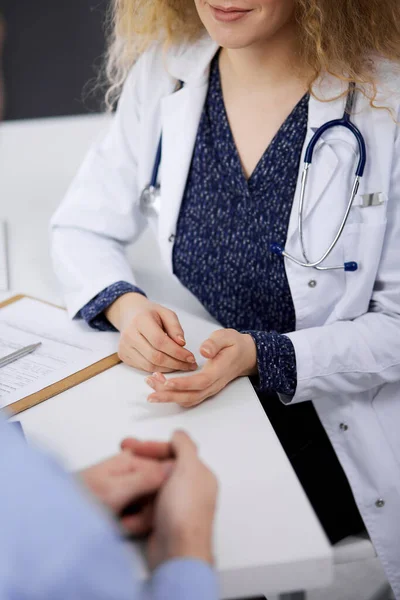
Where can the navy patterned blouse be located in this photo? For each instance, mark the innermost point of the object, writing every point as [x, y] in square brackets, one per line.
[225, 228]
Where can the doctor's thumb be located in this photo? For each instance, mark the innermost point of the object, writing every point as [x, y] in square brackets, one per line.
[211, 347]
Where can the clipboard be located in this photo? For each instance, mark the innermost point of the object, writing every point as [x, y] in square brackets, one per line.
[62, 385]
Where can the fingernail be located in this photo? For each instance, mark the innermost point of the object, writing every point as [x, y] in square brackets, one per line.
[191, 359]
[181, 339]
[193, 367]
[150, 383]
[153, 400]
[169, 385]
[159, 377]
[206, 350]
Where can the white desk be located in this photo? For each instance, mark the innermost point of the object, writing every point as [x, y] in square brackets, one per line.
[267, 537]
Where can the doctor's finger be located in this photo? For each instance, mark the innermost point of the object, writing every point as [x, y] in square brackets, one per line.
[188, 398]
[161, 340]
[172, 325]
[198, 382]
[159, 358]
[133, 358]
[215, 370]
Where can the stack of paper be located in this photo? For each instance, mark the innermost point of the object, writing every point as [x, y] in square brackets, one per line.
[66, 348]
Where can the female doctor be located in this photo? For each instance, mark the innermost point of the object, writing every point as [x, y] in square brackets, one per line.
[239, 90]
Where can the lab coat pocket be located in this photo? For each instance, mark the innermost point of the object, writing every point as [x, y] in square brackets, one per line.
[368, 208]
[362, 243]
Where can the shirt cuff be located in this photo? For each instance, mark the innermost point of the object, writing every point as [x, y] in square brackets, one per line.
[93, 311]
[183, 578]
[276, 361]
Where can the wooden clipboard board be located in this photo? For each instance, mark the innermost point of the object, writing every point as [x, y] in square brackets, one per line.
[63, 384]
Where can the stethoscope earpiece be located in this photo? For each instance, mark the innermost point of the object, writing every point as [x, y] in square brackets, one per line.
[350, 267]
[276, 249]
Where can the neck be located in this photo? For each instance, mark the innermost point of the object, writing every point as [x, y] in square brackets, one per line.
[267, 62]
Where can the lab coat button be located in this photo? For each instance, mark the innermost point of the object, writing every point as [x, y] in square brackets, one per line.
[344, 427]
[171, 238]
[312, 283]
[380, 503]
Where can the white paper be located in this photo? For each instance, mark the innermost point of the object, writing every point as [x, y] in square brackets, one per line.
[67, 347]
[3, 258]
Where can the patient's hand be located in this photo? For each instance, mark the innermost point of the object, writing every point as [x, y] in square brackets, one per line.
[125, 479]
[185, 505]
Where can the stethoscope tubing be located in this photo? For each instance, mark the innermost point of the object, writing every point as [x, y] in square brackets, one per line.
[308, 157]
[156, 166]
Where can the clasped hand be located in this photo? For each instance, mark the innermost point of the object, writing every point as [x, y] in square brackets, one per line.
[173, 490]
[229, 355]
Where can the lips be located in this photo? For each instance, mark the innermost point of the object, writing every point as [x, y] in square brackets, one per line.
[228, 14]
[231, 9]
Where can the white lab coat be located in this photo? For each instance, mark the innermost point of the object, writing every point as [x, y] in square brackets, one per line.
[347, 338]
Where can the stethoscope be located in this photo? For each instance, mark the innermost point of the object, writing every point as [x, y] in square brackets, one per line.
[151, 192]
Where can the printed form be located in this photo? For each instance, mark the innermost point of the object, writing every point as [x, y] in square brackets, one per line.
[67, 347]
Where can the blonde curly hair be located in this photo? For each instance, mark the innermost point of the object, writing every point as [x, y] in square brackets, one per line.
[340, 37]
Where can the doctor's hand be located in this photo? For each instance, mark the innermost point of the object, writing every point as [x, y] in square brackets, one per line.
[126, 478]
[152, 338]
[230, 355]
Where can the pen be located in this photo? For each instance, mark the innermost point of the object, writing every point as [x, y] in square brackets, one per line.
[6, 360]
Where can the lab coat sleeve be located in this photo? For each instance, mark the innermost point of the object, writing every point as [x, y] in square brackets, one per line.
[99, 215]
[348, 357]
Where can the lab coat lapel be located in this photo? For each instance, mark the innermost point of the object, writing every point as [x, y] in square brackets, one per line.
[181, 114]
[325, 161]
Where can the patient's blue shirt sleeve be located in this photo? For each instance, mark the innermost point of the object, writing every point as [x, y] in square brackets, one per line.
[57, 544]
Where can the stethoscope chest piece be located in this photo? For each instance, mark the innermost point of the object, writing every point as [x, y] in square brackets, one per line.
[150, 200]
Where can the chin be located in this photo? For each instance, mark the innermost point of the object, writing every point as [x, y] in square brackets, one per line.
[230, 37]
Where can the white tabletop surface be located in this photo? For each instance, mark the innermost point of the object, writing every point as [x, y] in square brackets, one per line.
[267, 537]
